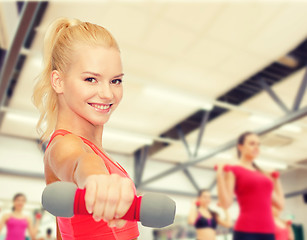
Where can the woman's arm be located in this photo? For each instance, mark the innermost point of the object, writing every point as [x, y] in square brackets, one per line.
[107, 196]
[3, 221]
[33, 230]
[278, 198]
[73, 161]
[291, 233]
[225, 186]
[193, 214]
[225, 222]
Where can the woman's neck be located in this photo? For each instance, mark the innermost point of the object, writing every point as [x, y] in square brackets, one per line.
[17, 212]
[83, 129]
[203, 207]
[247, 162]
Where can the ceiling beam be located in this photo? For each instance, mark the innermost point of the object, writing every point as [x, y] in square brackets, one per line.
[277, 123]
[273, 95]
[187, 147]
[140, 158]
[300, 93]
[25, 23]
[202, 127]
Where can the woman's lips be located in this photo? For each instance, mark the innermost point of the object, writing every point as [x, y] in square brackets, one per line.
[101, 107]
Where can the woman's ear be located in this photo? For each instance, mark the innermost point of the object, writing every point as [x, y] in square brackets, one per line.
[239, 147]
[57, 81]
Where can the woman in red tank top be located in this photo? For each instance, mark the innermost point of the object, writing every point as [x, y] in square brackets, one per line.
[78, 90]
[255, 190]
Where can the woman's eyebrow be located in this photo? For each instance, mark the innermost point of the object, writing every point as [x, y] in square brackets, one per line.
[120, 75]
[99, 75]
[93, 73]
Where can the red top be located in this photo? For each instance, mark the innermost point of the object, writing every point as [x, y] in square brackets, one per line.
[82, 227]
[254, 194]
[281, 233]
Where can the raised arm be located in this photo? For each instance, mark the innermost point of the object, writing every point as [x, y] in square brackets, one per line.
[278, 198]
[106, 195]
[73, 161]
[33, 229]
[193, 214]
[225, 186]
[226, 222]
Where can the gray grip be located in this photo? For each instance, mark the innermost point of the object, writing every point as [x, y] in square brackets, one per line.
[58, 198]
[157, 210]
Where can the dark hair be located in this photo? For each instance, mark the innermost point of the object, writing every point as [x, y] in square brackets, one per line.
[241, 140]
[49, 231]
[214, 214]
[200, 192]
[17, 195]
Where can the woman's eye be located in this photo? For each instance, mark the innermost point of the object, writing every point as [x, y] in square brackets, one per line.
[92, 80]
[116, 81]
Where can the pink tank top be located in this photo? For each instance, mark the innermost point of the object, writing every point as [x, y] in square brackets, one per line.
[254, 194]
[16, 228]
[84, 227]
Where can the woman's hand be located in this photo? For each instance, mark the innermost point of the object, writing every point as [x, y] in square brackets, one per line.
[109, 197]
[219, 168]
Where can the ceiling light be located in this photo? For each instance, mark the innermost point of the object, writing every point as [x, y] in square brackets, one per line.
[225, 156]
[269, 164]
[291, 128]
[176, 96]
[20, 115]
[289, 61]
[21, 118]
[260, 119]
[128, 137]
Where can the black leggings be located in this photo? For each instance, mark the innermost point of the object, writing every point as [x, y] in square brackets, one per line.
[252, 236]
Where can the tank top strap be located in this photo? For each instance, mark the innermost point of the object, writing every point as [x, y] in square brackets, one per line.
[58, 132]
[100, 153]
[198, 217]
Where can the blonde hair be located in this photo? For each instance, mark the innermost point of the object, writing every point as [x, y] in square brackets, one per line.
[60, 41]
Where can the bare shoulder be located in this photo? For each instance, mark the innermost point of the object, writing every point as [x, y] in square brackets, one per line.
[67, 145]
[6, 216]
[67, 141]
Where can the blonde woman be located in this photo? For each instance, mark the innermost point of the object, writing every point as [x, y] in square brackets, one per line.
[79, 89]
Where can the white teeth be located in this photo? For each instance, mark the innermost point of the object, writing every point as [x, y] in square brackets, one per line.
[101, 106]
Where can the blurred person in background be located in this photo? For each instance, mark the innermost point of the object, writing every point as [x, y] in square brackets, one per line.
[17, 223]
[204, 220]
[255, 189]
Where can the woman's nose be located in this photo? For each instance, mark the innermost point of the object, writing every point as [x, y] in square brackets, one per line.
[105, 91]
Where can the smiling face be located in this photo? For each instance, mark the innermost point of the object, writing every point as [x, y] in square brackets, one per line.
[249, 149]
[91, 88]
